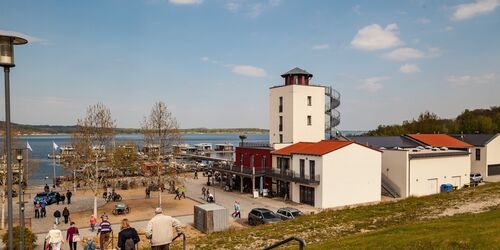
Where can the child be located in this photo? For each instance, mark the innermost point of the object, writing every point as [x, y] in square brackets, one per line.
[90, 245]
[93, 221]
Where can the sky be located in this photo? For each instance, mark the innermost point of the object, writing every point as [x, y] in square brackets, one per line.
[212, 61]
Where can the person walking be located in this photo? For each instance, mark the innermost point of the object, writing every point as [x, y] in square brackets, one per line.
[195, 174]
[238, 210]
[148, 193]
[69, 194]
[160, 230]
[92, 221]
[43, 211]
[127, 237]
[104, 232]
[183, 192]
[72, 236]
[58, 197]
[37, 210]
[177, 193]
[57, 216]
[235, 204]
[55, 238]
[46, 188]
[65, 214]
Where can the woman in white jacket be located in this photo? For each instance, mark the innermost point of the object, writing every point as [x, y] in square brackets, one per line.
[55, 238]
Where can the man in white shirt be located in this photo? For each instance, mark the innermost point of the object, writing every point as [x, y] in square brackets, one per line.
[160, 230]
[55, 238]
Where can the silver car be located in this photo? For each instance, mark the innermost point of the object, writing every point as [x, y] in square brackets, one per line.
[476, 178]
[288, 213]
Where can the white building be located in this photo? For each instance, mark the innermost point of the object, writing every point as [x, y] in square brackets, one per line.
[328, 173]
[485, 157]
[420, 171]
[296, 110]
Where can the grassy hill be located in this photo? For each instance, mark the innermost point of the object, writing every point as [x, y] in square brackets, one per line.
[438, 221]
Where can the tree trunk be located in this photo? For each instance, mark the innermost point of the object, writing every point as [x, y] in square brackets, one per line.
[95, 205]
[3, 213]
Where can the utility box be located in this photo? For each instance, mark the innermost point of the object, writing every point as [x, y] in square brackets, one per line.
[210, 218]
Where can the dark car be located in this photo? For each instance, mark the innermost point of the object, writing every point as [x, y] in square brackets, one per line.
[50, 197]
[262, 216]
[288, 213]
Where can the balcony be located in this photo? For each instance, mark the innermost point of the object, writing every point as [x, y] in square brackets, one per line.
[255, 144]
[291, 175]
[238, 169]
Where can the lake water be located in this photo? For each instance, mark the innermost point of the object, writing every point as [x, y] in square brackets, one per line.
[42, 146]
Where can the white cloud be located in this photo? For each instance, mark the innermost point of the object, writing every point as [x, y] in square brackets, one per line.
[409, 68]
[321, 46]
[372, 84]
[466, 80]
[185, 2]
[424, 20]
[248, 70]
[449, 28]
[251, 8]
[374, 37]
[403, 54]
[470, 10]
[30, 39]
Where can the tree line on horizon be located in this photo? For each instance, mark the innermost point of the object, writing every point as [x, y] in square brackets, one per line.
[477, 121]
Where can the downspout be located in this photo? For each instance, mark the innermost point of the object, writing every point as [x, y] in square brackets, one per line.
[409, 175]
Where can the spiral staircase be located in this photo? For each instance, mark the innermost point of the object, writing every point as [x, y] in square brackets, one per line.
[332, 114]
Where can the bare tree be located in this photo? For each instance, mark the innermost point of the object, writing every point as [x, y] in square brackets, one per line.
[123, 159]
[92, 136]
[161, 133]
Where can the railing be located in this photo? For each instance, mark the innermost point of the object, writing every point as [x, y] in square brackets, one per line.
[291, 175]
[255, 144]
[388, 185]
[302, 243]
[239, 169]
[183, 239]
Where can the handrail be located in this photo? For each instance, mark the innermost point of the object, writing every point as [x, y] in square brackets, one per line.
[302, 243]
[183, 239]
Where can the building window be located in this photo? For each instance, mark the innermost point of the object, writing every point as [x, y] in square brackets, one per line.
[281, 104]
[302, 168]
[241, 159]
[309, 101]
[304, 80]
[478, 154]
[312, 169]
[252, 160]
[281, 138]
[295, 80]
[309, 120]
[283, 164]
[263, 162]
[281, 124]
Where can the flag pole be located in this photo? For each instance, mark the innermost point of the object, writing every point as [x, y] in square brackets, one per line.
[54, 165]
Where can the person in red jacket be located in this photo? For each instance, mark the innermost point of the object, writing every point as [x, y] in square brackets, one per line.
[70, 236]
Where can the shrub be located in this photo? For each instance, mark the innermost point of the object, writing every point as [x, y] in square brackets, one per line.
[29, 238]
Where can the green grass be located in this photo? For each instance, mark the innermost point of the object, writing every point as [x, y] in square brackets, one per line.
[466, 231]
[330, 226]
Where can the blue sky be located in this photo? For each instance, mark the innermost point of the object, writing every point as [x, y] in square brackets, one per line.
[212, 61]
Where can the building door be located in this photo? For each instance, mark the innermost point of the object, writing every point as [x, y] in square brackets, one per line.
[456, 181]
[283, 189]
[307, 195]
[432, 185]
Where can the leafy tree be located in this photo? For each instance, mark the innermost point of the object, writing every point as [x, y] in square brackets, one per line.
[29, 238]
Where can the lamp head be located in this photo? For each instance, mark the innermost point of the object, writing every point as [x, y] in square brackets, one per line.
[7, 43]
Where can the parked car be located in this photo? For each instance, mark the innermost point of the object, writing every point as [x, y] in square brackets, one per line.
[288, 213]
[262, 216]
[476, 178]
[50, 197]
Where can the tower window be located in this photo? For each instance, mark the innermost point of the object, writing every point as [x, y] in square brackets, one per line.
[309, 101]
[281, 124]
[281, 138]
[478, 154]
[281, 104]
[309, 120]
[295, 80]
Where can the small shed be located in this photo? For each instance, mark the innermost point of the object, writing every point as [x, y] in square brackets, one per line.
[210, 218]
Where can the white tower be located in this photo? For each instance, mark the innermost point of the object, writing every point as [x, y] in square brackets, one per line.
[296, 110]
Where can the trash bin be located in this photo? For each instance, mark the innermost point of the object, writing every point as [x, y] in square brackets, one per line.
[446, 188]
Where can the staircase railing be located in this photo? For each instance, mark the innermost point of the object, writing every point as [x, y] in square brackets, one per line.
[388, 185]
[302, 243]
[183, 239]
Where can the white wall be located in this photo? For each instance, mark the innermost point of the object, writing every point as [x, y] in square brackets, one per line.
[478, 166]
[395, 167]
[350, 175]
[440, 168]
[493, 152]
[295, 112]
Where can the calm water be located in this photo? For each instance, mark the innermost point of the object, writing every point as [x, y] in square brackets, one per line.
[42, 146]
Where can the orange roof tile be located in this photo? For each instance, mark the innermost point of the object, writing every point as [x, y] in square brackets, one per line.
[310, 148]
[439, 140]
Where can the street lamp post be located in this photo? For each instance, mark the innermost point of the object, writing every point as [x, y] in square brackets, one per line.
[20, 182]
[7, 43]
